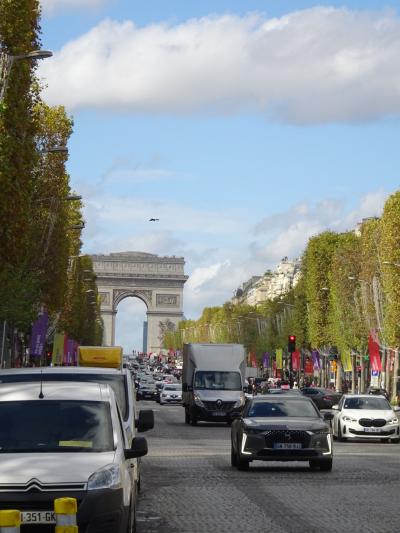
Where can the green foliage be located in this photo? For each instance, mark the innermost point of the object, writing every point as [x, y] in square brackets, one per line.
[81, 313]
[317, 260]
[19, 33]
[390, 259]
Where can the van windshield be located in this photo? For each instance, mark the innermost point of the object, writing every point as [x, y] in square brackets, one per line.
[116, 381]
[216, 380]
[55, 426]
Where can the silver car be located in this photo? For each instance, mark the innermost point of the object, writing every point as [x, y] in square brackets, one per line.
[171, 393]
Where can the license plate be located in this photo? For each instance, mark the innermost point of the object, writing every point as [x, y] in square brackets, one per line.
[219, 413]
[38, 517]
[372, 430]
[287, 445]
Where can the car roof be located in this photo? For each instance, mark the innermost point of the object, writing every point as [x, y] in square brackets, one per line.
[63, 370]
[362, 395]
[60, 390]
[281, 396]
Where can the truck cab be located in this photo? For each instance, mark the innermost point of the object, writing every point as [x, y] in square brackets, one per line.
[212, 382]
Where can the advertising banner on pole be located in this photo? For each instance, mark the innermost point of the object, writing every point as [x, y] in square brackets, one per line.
[266, 360]
[279, 358]
[38, 336]
[346, 361]
[316, 360]
[374, 355]
[58, 348]
[296, 360]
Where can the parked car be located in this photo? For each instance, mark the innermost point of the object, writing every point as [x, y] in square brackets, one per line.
[171, 394]
[365, 416]
[62, 439]
[281, 428]
[378, 391]
[323, 398]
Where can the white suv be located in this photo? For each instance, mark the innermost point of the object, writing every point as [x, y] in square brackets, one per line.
[67, 439]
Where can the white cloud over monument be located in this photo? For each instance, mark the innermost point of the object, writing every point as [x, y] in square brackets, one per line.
[312, 66]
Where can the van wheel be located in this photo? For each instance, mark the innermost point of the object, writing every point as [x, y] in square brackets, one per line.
[193, 421]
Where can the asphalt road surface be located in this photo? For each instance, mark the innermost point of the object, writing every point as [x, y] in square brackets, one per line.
[189, 486]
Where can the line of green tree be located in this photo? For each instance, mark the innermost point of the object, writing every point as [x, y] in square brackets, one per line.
[40, 246]
[349, 286]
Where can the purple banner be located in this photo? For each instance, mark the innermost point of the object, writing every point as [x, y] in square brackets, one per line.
[69, 353]
[316, 360]
[266, 360]
[38, 335]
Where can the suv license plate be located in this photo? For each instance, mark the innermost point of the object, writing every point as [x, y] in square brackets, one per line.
[38, 517]
[372, 430]
[219, 413]
[287, 445]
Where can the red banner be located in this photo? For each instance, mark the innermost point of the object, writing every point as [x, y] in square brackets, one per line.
[296, 360]
[308, 367]
[374, 355]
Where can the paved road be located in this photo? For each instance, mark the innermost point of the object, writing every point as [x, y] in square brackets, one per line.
[190, 487]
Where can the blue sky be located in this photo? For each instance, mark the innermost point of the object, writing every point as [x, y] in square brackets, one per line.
[246, 126]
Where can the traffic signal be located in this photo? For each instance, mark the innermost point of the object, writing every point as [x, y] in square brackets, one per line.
[291, 343]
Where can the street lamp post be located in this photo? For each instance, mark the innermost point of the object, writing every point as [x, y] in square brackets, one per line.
[7, 61]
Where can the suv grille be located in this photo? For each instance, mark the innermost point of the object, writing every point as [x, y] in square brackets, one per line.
[287, 436]
[369, 422]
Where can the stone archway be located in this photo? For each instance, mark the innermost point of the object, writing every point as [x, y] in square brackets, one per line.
[157, 281]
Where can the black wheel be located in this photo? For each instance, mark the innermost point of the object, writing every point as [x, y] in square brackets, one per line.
[193, 421]
[340, 438]
[326, 465]
[242, 464]
[187, 416]
[233, 457]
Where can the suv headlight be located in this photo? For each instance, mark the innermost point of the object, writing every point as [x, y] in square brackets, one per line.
[349, 419]
[197, 401]
[393, 420]
[108, 477]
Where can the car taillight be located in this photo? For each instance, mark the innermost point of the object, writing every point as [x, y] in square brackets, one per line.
[328, 398]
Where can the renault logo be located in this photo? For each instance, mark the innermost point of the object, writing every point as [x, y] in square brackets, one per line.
[219, 404]
[288, 435]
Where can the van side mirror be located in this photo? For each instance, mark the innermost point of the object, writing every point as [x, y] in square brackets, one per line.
[190, 388]
[145, 420]
[138, 448]
[328, 416]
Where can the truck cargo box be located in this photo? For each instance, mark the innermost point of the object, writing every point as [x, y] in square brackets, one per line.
[100, 356]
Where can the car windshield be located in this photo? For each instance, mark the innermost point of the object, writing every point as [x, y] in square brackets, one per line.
[372, 403]
[213, 380]
[55, 426]
[282, 408]
[116, 381]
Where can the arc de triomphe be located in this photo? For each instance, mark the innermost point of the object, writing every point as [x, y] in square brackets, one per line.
[157, 281]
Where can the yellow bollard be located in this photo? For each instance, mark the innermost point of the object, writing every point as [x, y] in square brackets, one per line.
[10, 520]
[65, 510]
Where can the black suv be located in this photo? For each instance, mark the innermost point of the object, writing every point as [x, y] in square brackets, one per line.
[281, 428]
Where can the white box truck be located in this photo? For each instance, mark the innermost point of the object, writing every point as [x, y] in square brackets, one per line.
[213, 377]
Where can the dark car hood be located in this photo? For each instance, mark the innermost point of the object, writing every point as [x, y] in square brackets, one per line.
[300, 424]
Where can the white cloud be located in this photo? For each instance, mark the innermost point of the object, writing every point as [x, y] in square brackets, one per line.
[312, 66]
[51, 7]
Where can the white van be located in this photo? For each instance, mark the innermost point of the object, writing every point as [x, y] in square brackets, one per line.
[120, 381]
[64, 440]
